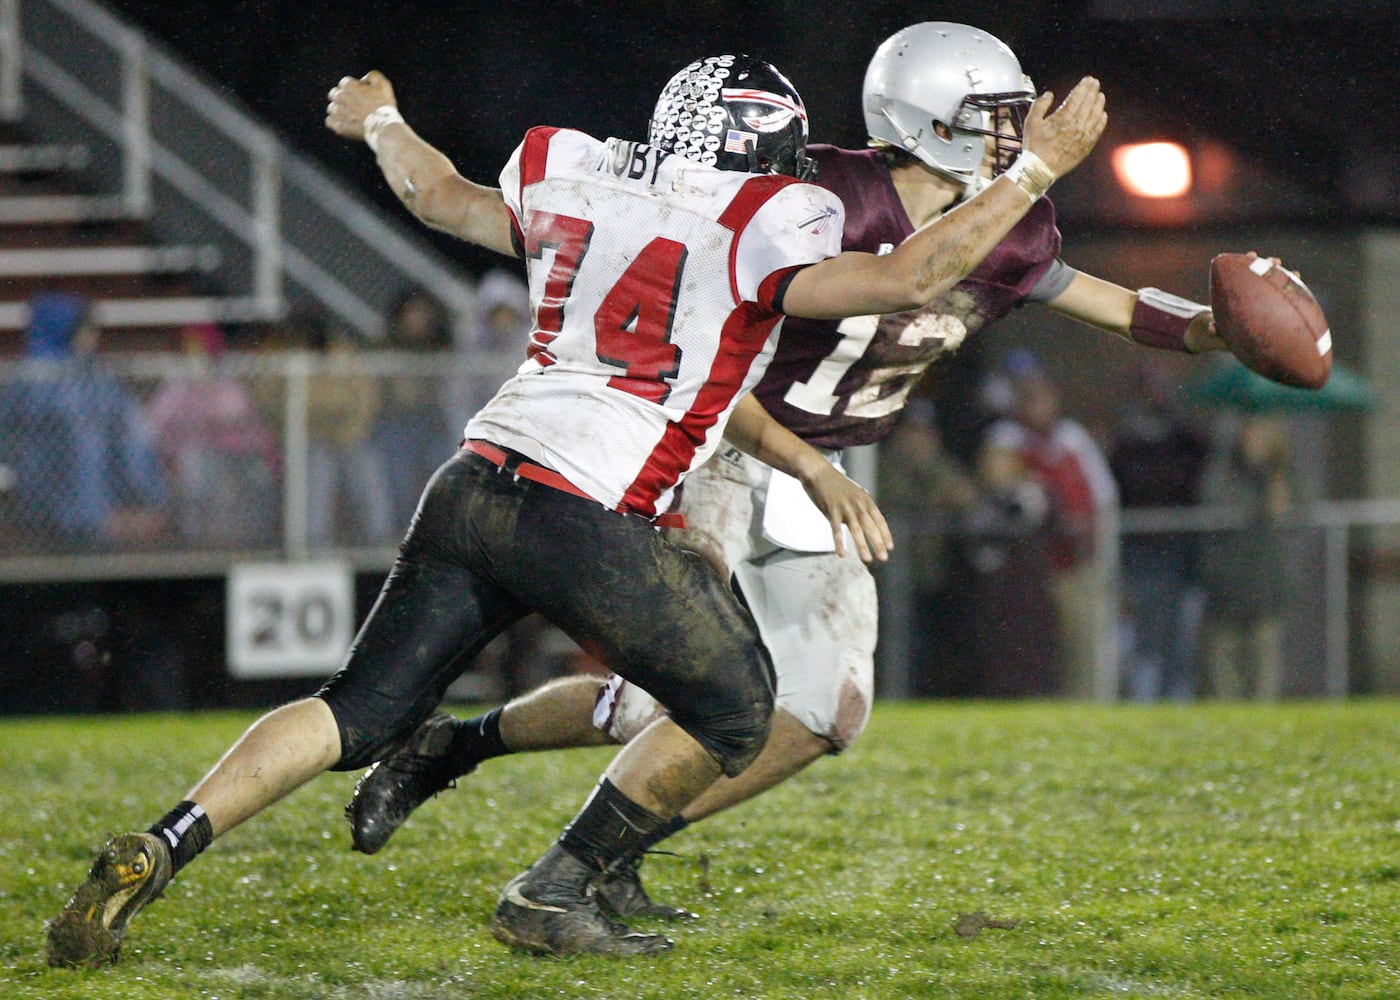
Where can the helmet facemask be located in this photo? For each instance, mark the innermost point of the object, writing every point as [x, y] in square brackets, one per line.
[1003, 120]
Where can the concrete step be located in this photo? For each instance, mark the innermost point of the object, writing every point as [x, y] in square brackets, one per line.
[25, 210]
[133, 313]
[111, 285]
[55, 261]
[42, 159]
[59, 235]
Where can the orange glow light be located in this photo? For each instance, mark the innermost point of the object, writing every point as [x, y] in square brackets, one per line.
[1153, 169]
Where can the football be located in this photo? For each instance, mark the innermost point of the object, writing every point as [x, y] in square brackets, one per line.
[1270, 320]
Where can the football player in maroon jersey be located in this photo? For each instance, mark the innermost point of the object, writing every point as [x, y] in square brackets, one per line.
[935, 141]
[659, 285]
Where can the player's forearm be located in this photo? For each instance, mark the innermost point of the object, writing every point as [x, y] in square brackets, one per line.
[842, 500]
[923, 267]
[1097, 302]
[753, 431]
[411, 165]
[430, 187]
[1135, 315]
[946, 250]
[365, 109]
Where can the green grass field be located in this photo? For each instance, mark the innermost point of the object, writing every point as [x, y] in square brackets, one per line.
[1202, 851]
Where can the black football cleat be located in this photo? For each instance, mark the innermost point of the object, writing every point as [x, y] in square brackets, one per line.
[621, 893]
[550, 910]
[388, 792]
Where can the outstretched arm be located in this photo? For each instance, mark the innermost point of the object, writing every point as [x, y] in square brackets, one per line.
[422, 177]
[844, 501]
[1113, 308]
[943, 252]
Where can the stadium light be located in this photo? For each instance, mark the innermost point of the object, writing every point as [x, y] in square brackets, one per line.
[1153, 169]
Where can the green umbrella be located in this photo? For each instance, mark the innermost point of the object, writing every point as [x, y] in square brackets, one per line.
[1230, 384]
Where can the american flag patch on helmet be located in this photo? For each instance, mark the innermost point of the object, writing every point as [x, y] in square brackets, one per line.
[737, 141]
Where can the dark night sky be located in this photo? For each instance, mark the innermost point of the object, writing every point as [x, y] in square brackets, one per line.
[1300, 94]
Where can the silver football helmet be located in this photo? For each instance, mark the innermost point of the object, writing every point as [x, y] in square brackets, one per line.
[951, 75]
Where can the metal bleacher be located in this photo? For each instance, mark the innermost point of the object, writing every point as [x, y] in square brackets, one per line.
[126, 176]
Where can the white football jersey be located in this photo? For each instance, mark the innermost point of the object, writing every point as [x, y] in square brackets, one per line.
[652, 285]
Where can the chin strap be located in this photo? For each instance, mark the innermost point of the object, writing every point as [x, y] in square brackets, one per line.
[1161, 319]
[975, 185]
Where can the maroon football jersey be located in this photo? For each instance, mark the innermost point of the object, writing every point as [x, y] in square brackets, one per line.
[841, 383]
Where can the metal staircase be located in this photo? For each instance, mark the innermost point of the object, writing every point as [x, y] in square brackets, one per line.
[125, 176]
[55, 237]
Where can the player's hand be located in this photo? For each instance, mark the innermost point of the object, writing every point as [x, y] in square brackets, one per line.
[352, 99]
[1063, 138]
[1201, 335]
[846, 502]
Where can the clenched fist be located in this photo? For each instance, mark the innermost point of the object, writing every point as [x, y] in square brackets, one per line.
[352, 99]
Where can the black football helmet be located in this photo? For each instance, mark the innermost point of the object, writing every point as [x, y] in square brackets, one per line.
[735, 113]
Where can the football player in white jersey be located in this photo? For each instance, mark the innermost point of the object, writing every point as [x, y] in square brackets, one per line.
[834, 385]
[659, 276]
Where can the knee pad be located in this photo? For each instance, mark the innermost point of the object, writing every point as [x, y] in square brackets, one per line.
[732, 727]
[734, 739]
[368, 732]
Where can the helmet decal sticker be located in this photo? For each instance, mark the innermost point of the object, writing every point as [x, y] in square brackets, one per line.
[736, 141]
[734, 112]
[784, 109]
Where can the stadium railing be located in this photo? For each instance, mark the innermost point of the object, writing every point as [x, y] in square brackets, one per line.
[277, 487]
[202, 170]
[260, 442]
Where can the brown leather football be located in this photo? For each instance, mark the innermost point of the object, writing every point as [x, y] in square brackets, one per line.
[1270, 320]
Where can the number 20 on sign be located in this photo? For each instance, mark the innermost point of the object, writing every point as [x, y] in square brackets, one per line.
[289, 619]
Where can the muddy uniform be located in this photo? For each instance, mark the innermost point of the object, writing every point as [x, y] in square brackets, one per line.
[656, 288]
[836, 384]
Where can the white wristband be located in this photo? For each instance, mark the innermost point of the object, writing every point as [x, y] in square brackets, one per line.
[1031, 175]
[377, 120]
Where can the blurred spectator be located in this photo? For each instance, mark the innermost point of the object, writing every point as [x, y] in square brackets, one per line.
[272, 344]
[222, 460]
[1245, 572]
[1067, 462]
[347, 477]
[412, 431]
[86, 478]
[84, 470]
[1157, 458]
[922, 490]
[493, 347]
[1005, 614]
[503, 314]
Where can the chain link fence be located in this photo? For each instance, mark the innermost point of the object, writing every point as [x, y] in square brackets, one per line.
[112, 463]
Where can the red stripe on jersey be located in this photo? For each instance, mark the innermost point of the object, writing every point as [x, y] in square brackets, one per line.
[534, 155]
[741, 339]
[744, 206]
